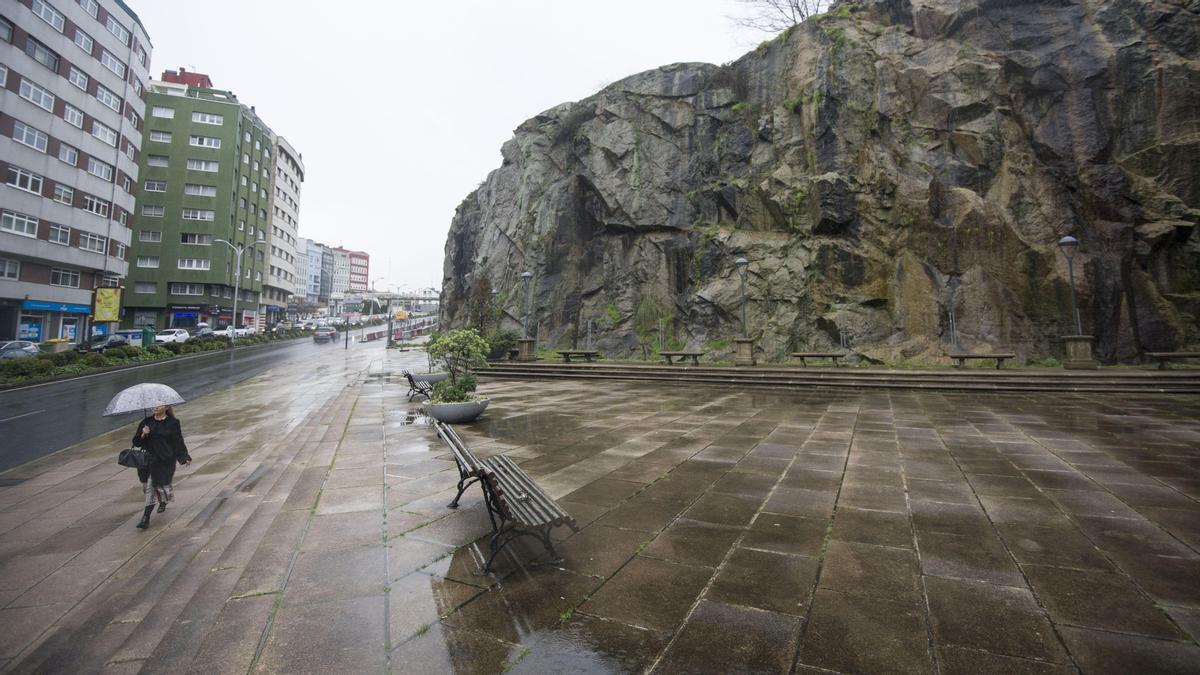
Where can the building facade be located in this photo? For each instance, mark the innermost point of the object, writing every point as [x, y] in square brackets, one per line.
[360, 272]
[315, 276]
[341, 271]
[205, 195]
[73, 77]
[279, 284]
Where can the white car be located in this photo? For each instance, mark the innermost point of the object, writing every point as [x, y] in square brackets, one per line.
[171, 335]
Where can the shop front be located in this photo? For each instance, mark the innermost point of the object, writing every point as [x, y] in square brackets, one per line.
[40, 321]
[184, 316]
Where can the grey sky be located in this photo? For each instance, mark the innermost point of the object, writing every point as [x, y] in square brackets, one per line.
[400, 108]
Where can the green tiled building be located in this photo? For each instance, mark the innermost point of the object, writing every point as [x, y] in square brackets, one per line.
[205, 178]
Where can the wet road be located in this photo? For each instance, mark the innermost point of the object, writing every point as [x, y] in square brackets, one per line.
[41, 419]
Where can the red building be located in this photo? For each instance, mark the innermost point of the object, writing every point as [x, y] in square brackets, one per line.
[182, 76]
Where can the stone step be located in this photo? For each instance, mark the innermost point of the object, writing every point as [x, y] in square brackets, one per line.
[1116, 381]
[179, 581]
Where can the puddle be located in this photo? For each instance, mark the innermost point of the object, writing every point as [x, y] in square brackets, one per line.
[416, 418]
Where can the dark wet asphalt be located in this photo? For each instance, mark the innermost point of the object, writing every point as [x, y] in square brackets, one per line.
[40, 419]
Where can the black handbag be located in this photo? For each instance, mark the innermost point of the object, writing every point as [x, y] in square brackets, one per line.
[134, 458]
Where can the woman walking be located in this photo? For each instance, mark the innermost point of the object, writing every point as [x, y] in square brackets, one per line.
[162, 438]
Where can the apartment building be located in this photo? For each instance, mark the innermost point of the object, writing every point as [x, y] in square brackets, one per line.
[73, 77]
[280, 282]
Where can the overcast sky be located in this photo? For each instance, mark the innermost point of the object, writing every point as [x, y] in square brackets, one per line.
[400, 108]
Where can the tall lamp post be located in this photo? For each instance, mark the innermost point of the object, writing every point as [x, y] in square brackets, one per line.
[525, 353]
[1078, 346]
[744, 346]
[238, 250]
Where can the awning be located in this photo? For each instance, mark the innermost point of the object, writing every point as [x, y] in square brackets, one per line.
[64, 307]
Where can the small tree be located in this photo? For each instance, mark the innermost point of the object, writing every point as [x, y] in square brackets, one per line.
[461, 350]
[646, 323]
[776, 16]
[480, 303]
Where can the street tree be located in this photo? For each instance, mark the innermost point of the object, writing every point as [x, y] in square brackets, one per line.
[776, 16]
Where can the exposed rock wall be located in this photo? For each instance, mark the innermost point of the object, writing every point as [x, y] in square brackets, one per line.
[885, 168]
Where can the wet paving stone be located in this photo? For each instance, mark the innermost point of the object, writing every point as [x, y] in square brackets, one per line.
[650, 593]
[873, 527]
[763, 642]
[1095, 599]
[304, 640]
[857, 634]
[445, 649]
[960, 661]
[694, 542]
[979, 557]
[765, 580]
[724, 509]
[967, 614]
[1100, 652]
[643, 514]
[599, 550]
[875, 571]
[787, 534]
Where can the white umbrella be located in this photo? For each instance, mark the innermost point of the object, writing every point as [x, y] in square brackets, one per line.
[142, 397]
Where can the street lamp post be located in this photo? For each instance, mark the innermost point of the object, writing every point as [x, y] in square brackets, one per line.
[1078, 346]
[743, 346]
[493, 310]
[238, 249]
[526, 351]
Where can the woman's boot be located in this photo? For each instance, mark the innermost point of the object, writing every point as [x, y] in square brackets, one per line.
[145, 522]
[162, 506]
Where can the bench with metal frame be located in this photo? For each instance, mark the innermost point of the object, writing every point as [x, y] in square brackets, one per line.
[587, 354]
[417, 387]
[1165, 357]
[517, 506]
[816, 355]
[683, 356]
[960, 360]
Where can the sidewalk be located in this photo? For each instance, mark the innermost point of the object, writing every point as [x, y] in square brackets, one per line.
[720, 531]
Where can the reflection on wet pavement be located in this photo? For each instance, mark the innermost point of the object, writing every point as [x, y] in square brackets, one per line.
[720, 531]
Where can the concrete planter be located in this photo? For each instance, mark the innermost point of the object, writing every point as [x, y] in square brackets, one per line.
[457, 413]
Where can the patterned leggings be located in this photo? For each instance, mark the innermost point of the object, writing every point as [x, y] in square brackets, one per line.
[157, 493]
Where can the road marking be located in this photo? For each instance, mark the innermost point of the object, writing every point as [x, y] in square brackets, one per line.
[17, 417]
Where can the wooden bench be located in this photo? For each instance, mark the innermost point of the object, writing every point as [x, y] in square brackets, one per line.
[683, 356]
[960, 360]
[417, 387]
[587, 354]
[816, 355]
[517, 506]
[1165, 357]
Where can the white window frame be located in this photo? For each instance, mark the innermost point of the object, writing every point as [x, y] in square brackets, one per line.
[153, 211]
[162, 111]
[117, 66]
[108, 98]
[149, 262]
[118, 31]
[158, 160]
[204, 142]
[90, 6]
[50, 15]
[204, 215]
[100, 169]
[151, 236]
[65, 278]
[64, 194]
[155, 186]
[199, 190]
[60, 234]
[82, 38]
[78, 78]
[93, 204]
[208, 118]
[10, 270]
[39, 96]
[64, 149]
[183, 288]
[195, 239]
[145, 287]
[72, 115]
[93, 242]
[104, 133]
[22, 133]
[205, 165]
[19, 223]
[160, 136]
[25, 180]
[200, 264]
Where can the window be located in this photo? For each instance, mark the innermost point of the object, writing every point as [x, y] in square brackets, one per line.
[68, 278]
[148, 261]
[160, 136]
[99, 169]
[250, 231]
[112, 63]
[193, 263]
[126, 185]
[200, 190]
[121, 249]
[244, 181]
[27, 135]
[121, 216]
[10, 269]
[199, 214]
[195, 238]
[95, 205]
[137, 87]
[187, 289]
[64, 194]
[92, 242]
[117, 30]
[60, 234]
[48, 14]
[256, 165]
[41, 53]
[153, 236]
[104, 133]
[202, 165]
[151, 211]
[108, 98]
[89, 6]
[36, 95]
[130, 151]
[145, 287]
[156, 186]
[204, 141]
[208, 118]
[68, 154]
[18, 223]
[24, 180]
[245, 158]
[158, 160]
[78, 78]
[73, 115]
[83, 41]
[163, 112]
[241, 225]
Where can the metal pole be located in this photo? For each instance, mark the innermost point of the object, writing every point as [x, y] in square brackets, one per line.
[1074, 306]
[745, 326]
[237, 280]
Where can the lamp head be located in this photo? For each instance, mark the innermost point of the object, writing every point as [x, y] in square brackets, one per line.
[741, 265]
[1068, 244]
[526, 276]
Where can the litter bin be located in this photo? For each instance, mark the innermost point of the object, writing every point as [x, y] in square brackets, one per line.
[147, 336]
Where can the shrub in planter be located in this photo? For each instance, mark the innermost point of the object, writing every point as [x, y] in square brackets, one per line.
[62, 358]
[121, 353]
[460, 350]
[500, 343]
[95, 360]
[173, 347]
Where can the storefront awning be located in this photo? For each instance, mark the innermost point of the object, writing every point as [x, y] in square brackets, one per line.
[65, 307]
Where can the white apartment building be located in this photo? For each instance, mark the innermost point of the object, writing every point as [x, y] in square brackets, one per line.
[281, 282]
[72, 110]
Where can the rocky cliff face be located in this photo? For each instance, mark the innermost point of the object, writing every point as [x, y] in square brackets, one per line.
[890, 170]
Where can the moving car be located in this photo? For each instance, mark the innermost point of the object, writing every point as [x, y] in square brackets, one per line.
[171, 335]
[325, 334]
[98, 343]
[18, 349]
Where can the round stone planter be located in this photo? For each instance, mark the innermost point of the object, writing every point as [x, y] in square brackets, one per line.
[457, 413]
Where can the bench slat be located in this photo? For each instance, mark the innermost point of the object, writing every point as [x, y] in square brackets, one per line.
[539, 510]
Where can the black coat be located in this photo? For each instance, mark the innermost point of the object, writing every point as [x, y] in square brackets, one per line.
[164, 448]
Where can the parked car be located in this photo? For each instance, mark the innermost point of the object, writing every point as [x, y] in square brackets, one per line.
[237, 332]
[202, 332]
[18, 349]
[98, 343]
[325, 334]
[171, 335]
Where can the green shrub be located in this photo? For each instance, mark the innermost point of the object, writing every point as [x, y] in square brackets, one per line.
[123, 353]
[173, 347]
[62, 358]
[448, 392]
[500, 343]
[95, 360]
